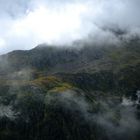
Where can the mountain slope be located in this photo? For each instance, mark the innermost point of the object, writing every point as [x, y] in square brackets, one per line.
[71, 94]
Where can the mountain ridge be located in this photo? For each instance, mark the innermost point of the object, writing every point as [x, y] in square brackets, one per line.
[70, 94]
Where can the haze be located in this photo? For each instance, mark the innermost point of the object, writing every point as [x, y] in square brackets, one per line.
[25, 24]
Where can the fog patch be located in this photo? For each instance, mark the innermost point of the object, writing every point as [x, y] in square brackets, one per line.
[119, 121]
[8, 112]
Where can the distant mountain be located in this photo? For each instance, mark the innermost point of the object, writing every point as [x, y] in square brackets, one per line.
[89, 58]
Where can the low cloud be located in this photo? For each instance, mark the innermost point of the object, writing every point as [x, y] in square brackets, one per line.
[118, 121]
[25, 24]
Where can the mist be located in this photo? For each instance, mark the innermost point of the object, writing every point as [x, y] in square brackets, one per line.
[77, 76]
[114, 118]
[104, 116]
[25, 24]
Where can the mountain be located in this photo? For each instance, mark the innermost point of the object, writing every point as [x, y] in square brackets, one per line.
[83, 93]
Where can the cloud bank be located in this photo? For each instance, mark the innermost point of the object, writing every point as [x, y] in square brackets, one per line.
[25, 24]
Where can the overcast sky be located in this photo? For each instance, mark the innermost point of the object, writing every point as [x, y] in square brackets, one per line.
[27, 23]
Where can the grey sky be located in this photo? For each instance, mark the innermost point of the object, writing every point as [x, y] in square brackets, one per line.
[27, 23]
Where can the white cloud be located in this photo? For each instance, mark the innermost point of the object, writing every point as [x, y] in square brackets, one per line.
[49, 25]
[46, 24]
[26, 24]
[2, 43]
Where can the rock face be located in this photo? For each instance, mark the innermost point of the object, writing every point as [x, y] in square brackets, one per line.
[71, 94]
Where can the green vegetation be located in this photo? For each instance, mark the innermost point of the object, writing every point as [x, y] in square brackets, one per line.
[69, 94]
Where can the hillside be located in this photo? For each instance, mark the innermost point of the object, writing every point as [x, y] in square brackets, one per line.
[87, 93]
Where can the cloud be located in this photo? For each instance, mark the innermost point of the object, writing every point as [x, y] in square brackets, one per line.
[114, 120]
[25, 24]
